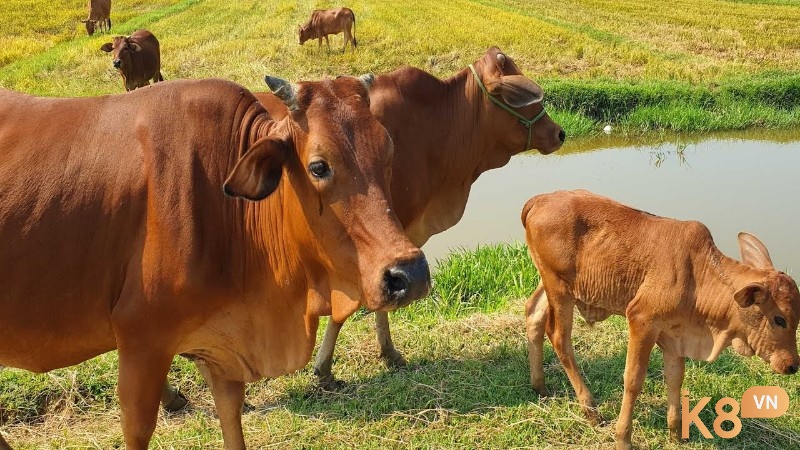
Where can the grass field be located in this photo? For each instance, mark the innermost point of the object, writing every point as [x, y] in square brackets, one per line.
[466, 386]
[685, 65]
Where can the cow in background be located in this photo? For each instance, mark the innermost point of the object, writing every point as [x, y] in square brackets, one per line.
[666, 276]
[99, 16]
[330, 21]
[137, 58]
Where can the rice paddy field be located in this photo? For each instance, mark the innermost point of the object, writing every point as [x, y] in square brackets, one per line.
[684, 66]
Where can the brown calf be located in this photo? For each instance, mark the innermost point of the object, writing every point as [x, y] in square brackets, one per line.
[330, 21]
[668, 279]
[99, 16]
[137, 58]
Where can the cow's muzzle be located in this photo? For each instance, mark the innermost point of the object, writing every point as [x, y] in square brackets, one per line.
[117, 63]
[406, 281]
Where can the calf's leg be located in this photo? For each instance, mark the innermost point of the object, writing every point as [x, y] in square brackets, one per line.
[535, 321]
[560, 310]
[674, 368]
[324, 359]
[3, 444]
[229, 400]
[390, 355]
[642, 338]
[172, 399]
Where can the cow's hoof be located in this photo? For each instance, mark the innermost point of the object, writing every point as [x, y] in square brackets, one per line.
[330, 384]
[394, 359]
[542, 391]
[178, 402]
[594, 417]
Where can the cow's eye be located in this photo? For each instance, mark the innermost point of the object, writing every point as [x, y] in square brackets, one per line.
[780, 321]
[319, 169]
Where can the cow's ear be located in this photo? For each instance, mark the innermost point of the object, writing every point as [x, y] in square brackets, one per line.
[516, 90]
[136, 47]
[259, 171]
[752, 294]
[754, 252]
[107, 47]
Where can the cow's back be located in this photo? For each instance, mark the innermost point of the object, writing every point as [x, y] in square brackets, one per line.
[100, 197]
[603, 251]
[99, 9]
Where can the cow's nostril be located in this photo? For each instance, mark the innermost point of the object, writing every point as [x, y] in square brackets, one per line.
[396, 281]
[791, 370]
[117, 63]
[562, 136]
[407, 281]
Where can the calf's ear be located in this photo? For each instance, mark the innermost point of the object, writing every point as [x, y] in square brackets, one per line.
[257, 174]
[135, 46]
[516, 90]
[752, 294]
[107, 47]
[754, 252]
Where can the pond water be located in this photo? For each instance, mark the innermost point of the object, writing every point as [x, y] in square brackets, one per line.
[731, 182]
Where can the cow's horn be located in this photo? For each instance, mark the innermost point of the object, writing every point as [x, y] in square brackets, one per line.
[367, 80]
[501, 58]
[282, 89]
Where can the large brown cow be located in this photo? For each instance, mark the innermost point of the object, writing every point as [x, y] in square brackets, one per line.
[115, 233]
[99, 16]
[668, 279]
[445, 133]
[329, 21]
[137, 58]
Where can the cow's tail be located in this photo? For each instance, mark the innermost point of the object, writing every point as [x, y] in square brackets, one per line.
[355, 44]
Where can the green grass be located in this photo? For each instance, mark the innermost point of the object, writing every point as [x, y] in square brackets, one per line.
[466, 385]
[684, 65]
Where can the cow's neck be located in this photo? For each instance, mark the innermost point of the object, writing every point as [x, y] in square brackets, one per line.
[719, 278]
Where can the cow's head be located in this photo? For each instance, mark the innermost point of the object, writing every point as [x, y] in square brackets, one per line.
[329, 164]
[503, 80]
[769, 309]
[304, 33]
[90, 25]
[121, 49]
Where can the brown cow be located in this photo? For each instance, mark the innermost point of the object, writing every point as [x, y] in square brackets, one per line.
[115, 233]
[329, 21]
[445, 133]
[668, 279]
[137, 58]
[99, 16]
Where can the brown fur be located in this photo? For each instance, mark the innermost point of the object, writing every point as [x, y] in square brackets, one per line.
[115, 233]
[668, 279]
[329, 21]
[99, 16]
[434, 165]
[137, 58]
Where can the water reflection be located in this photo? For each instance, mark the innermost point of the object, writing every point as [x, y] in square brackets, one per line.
[731, 182]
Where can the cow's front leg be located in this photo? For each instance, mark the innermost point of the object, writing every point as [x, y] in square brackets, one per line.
[324, 361]
[142, 373]
[674, 368]
[390, 355]
[642, 338]
[229, 400]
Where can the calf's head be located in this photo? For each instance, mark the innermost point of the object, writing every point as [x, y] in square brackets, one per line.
[121, 49]
[329, 164]
[769, 309]
[90, 26]
[503, 81]
[304, 33]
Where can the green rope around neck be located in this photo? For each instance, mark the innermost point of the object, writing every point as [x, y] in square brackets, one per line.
[527, 123]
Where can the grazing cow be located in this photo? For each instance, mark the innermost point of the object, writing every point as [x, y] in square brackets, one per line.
[329, 21]
[668, 279]
[99, 16]
[137, 58]
[115, 233]
[445, 133]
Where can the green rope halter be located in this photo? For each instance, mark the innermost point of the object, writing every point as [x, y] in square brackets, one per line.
[522, 119]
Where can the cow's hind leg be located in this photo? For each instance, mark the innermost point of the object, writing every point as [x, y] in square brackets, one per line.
[324, 361]
[229, 400]
[559, 330]
[535, 322]
[172, 399]
[390, 355]
[142, 373]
